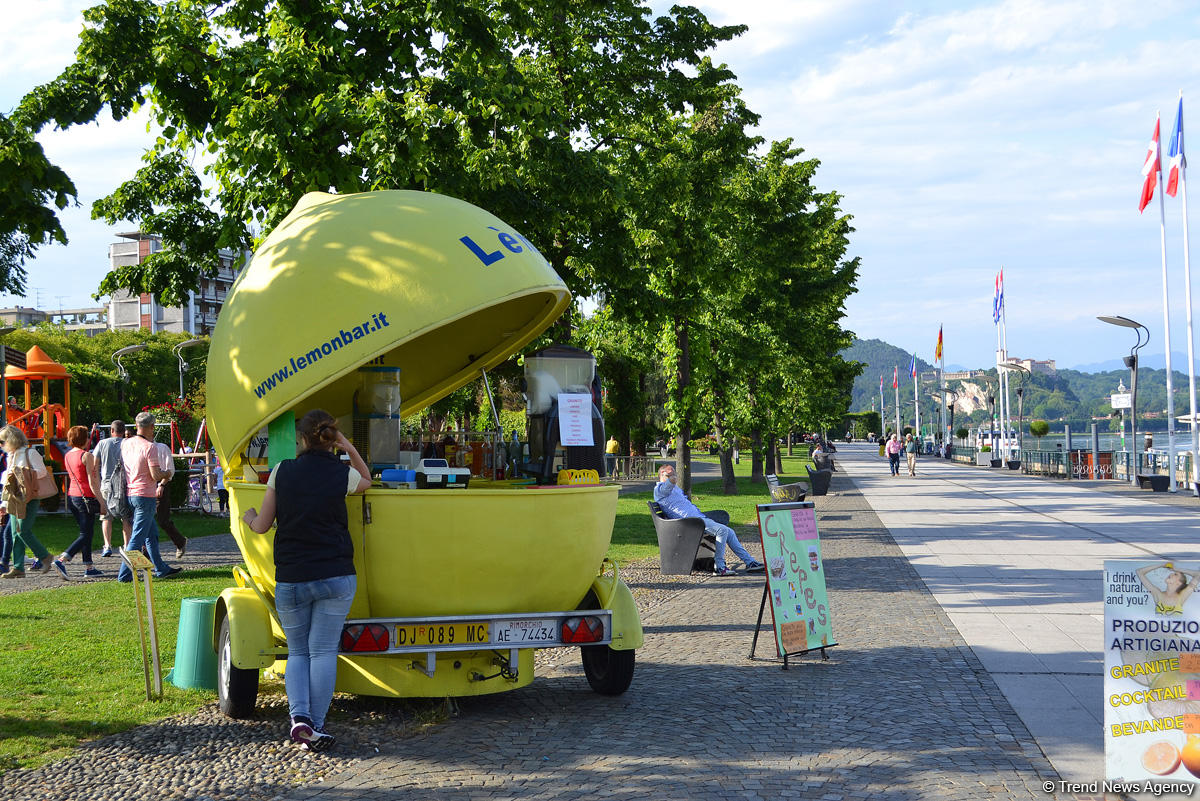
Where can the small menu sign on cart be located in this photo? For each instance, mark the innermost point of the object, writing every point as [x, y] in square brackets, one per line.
[575, 419]
[795, 587]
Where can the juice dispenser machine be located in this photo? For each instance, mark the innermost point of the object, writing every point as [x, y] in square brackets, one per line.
[550, 373]
[377, 422]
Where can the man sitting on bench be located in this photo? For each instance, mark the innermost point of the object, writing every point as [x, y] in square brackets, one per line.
[676, 505]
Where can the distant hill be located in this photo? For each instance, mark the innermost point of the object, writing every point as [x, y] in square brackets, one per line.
[880, 358]
[1072, 396]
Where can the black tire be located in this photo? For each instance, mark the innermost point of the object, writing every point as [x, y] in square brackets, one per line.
[609, 672]
[237, 688]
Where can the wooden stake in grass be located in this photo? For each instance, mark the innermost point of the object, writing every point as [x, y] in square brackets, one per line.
[138, 561]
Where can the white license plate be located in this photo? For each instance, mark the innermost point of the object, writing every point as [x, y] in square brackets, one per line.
[536, 631]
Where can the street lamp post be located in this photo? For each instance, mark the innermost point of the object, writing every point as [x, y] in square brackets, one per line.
[183, 366]
[1131, 361]
[122, 373]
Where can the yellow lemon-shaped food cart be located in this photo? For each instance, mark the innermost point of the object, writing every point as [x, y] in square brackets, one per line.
[456, 588]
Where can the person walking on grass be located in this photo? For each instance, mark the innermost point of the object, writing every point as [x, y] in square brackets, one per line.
[314, 565]
[142, 474]
[83, 500]
[112, 486]
[162, 510]
[27, 467]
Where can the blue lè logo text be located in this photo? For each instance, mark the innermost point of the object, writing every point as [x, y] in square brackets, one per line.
[513, 243]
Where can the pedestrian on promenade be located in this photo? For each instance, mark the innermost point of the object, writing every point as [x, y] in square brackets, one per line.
[911, 447]
[314, 565]
[677, 505]
[162, 510]
[142, 474]
[112, 486]
[1178, 585]
[27, 466]
[83, 501]
[893, 448]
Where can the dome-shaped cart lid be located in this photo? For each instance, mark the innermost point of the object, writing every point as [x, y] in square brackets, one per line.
[423, 282]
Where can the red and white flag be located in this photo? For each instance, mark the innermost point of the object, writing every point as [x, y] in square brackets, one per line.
[895, 376]
[1151, 169]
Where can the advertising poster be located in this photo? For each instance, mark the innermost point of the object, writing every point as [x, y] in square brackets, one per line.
[1151, 672]
[575, 419]
[795, 577]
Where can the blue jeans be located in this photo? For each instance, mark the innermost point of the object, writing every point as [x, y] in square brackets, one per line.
[85, 511]
[6, 542]
[312, 614]
[145, 532]
[725, 536]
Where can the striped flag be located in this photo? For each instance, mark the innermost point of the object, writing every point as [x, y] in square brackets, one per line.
[1178, 162]
[895, 377]
[881, 382]
[937, 352]
[912, 366]
[1150, 168]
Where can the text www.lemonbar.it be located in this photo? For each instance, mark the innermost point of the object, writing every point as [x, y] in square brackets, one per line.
[297, 363]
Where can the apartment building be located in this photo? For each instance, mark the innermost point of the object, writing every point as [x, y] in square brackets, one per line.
[198, 316]
[91, 320]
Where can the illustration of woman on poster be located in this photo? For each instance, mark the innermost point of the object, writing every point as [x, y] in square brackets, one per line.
[1170, 591]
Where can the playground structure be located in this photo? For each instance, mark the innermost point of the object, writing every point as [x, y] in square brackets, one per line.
[49, 420]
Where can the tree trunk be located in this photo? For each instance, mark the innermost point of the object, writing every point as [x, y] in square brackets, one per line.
[756, 463]
[639, 448]
[725, 452]
[778, 461]
[790, 436]
[683, 376]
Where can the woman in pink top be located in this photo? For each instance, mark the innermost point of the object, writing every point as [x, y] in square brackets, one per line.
[83, 499]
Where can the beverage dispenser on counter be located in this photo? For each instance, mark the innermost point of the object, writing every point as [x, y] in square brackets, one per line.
[562, 373]
[377, 423]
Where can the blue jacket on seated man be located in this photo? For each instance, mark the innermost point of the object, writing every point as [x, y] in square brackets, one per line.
[677, 505]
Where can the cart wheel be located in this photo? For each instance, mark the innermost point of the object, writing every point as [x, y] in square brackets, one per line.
[237, 688]
[609, 672]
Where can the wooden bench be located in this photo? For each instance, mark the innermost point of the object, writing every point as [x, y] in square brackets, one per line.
[786, 493]
[819, 480]
[683, 544]
[1156, 483]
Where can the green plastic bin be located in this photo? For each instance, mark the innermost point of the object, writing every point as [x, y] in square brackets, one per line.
[195, 659]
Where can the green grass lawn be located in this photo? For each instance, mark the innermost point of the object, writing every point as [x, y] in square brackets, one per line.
[633, 534]
[57, 531]
[72, 664]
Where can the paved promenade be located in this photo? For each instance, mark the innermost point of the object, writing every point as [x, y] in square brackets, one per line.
[1016, 564]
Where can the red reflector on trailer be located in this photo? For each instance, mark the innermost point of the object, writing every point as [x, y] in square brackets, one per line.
[582, 629]
[369, 637]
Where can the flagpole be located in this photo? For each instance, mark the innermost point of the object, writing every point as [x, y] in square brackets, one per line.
[1007, 419]
[942, 388]
[916, 403]
[1187, 288]
[896, 386]
[881, 407]
[1162, 238]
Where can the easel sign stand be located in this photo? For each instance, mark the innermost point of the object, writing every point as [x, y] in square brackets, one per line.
[137, 561]
[795, 581]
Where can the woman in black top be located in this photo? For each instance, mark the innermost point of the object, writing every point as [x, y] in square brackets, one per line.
[314, 565]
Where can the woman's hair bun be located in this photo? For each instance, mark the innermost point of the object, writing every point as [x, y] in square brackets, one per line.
[319, 429]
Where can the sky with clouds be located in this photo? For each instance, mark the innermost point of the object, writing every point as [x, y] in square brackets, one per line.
[964, 137]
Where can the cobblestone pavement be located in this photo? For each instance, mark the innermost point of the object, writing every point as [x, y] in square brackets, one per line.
[902, 709]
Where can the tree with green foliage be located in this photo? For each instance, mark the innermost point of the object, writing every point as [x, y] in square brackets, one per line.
[514, 107]
[97, 394]
[1039, 429]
